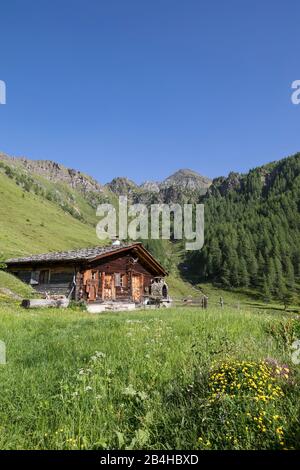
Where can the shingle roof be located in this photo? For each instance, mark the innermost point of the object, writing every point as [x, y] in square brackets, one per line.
[84, 254]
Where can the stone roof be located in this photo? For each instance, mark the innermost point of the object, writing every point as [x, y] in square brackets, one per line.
[84, 254]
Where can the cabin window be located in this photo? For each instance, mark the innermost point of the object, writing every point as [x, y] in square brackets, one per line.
[124, 280]
[25, 276]
[35, 276]
[121, 280]
[61, 277]
[44, 276]
[117, 280]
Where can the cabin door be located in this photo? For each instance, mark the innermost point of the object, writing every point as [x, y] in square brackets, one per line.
[93, 286]
[109, 287]
[137, 286]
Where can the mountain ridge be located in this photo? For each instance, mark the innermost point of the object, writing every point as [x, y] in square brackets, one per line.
[59, 172]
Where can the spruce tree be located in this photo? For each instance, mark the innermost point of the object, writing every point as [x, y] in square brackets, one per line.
[266, 289]
[226, 275]
[243, 273]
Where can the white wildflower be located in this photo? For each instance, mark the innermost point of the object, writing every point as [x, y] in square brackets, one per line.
[129, 391]
[100, 354]
[142, 395]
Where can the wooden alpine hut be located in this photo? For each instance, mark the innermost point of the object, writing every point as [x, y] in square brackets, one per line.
[116, 273]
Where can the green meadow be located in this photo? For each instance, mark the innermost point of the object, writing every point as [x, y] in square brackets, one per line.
[179, 378]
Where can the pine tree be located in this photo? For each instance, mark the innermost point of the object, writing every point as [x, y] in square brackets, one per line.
[271, 274]
[261, 271]
[266, 289]
[252, 268]
[279, 287]
[243, 273]
[214, 259]
[234, 265]
[225, 275]
[286, 296]
[290, 277]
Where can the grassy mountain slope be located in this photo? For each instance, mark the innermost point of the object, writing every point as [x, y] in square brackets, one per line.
[10, 287]
[33, 224]
[70, 190]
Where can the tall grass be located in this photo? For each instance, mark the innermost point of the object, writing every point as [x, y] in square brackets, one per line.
[141, 380]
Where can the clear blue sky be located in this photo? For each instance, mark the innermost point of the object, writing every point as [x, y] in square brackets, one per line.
[141, 88]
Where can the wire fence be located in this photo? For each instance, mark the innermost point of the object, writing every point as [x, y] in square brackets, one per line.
[198, 303]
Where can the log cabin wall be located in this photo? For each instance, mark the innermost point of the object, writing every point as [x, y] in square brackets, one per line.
[120, 278]
[53, 280]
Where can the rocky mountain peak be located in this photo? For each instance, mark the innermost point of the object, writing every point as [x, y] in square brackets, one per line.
[55, 172]
[187, 179]
[150, 186]
[121, 186]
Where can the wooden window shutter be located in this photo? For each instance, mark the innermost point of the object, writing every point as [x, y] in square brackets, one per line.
[117, 280]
